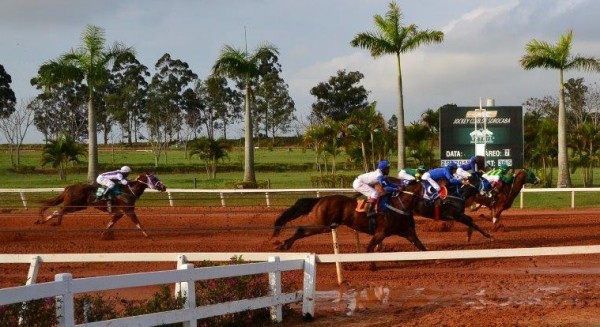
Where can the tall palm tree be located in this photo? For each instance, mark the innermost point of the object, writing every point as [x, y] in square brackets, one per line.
[394, 38]
[541, 54]
[238, 64]
[90, 62]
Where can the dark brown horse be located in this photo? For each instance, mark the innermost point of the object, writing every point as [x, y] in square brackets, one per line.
[79, 196]
[506, 195]
[330, 211]
[450, 208]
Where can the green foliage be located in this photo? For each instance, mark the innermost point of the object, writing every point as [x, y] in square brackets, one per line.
[36, 313]
[231, 289]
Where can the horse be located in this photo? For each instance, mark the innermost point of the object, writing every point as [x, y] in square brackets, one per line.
[451, 207]
[79, 196]
[506, 195]
[333, 210]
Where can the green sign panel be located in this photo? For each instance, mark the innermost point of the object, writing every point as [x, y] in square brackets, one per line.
[495, 132]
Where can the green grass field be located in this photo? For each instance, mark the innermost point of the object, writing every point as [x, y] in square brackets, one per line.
[195, 177]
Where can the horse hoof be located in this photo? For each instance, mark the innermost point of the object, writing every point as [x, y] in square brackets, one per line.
[37, 222]
[54, 224]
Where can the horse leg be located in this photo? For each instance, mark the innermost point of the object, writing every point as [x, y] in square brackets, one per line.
[55, 214]
[131, 214]
[464, 219]
[301, 232]
[113, 221]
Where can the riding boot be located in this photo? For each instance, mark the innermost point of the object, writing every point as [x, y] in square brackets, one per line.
[372, 215]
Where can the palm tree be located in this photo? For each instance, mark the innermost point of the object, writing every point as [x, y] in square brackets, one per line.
[541, 54]
[238, 64]
[211, 152]
[392, 37]
[90, 62]
[60, 152]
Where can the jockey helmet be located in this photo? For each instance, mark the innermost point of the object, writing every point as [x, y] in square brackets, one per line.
[383, 164]
[125, 169]
[452, 165]
[421, 167]
[504, 166]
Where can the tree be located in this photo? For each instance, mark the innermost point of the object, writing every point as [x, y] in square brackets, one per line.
[394, 38]
[60, 152]
[211, 152]
[7, 96]
[339, 97]
[14, 128]
[126, 98]
[61, 110]
[541, 54]
[244, 66]
[273, 105]
[89, 62]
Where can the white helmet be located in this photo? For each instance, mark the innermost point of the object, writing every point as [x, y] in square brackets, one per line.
[125, 169]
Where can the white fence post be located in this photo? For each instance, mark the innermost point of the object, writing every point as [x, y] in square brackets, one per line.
[275, 290]
[267, 199]
[222, 199]
[65, 305]
[170, 198]
[188, 290]
[310, 284]
[24, 199]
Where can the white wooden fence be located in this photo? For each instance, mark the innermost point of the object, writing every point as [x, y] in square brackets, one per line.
[224, 193]
[64, 287]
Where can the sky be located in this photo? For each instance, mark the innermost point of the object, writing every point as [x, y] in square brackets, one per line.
[479, 58]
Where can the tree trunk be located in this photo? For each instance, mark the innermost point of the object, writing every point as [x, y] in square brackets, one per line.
[401, 141]
[564, 178]
[249, 176]
[92, 140]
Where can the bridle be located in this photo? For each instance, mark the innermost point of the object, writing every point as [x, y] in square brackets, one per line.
[150, 183]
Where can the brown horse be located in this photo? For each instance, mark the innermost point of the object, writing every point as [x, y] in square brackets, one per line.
[506, 195]
[330, 211]
[79, 196]
[450, 208]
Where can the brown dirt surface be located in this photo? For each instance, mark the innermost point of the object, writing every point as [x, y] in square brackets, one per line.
[521, 291]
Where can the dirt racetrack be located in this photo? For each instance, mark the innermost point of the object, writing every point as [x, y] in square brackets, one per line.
[540, 291]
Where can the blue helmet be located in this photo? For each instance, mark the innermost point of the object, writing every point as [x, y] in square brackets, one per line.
[451, 165]
[383, 164]
[504, 166]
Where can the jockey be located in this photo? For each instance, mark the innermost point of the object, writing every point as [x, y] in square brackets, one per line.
[409, 175]
[109, 180]
[431, 177]
[364, 184]
[493, 179]
[466, 169]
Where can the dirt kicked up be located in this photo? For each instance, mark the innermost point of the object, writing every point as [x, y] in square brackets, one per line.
[523, 291]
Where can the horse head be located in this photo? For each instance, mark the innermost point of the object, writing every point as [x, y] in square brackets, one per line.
[151, 181]
[530, 177]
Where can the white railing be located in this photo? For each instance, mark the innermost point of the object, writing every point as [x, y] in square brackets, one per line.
[64, 288]
[223, 193]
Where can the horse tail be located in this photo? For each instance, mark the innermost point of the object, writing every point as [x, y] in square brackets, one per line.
[52, 202]
[301, 207]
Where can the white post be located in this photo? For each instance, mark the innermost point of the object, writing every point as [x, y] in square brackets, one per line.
[222, 199]
[24, 200]
[310, 284]
[188, 290]
[65, 307]
[336, 250]
[275, 291]
[170, 198]
[268, 200]
[34, 267]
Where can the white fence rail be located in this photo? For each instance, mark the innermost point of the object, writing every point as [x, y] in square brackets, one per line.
[65, 287]
[223, 193]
